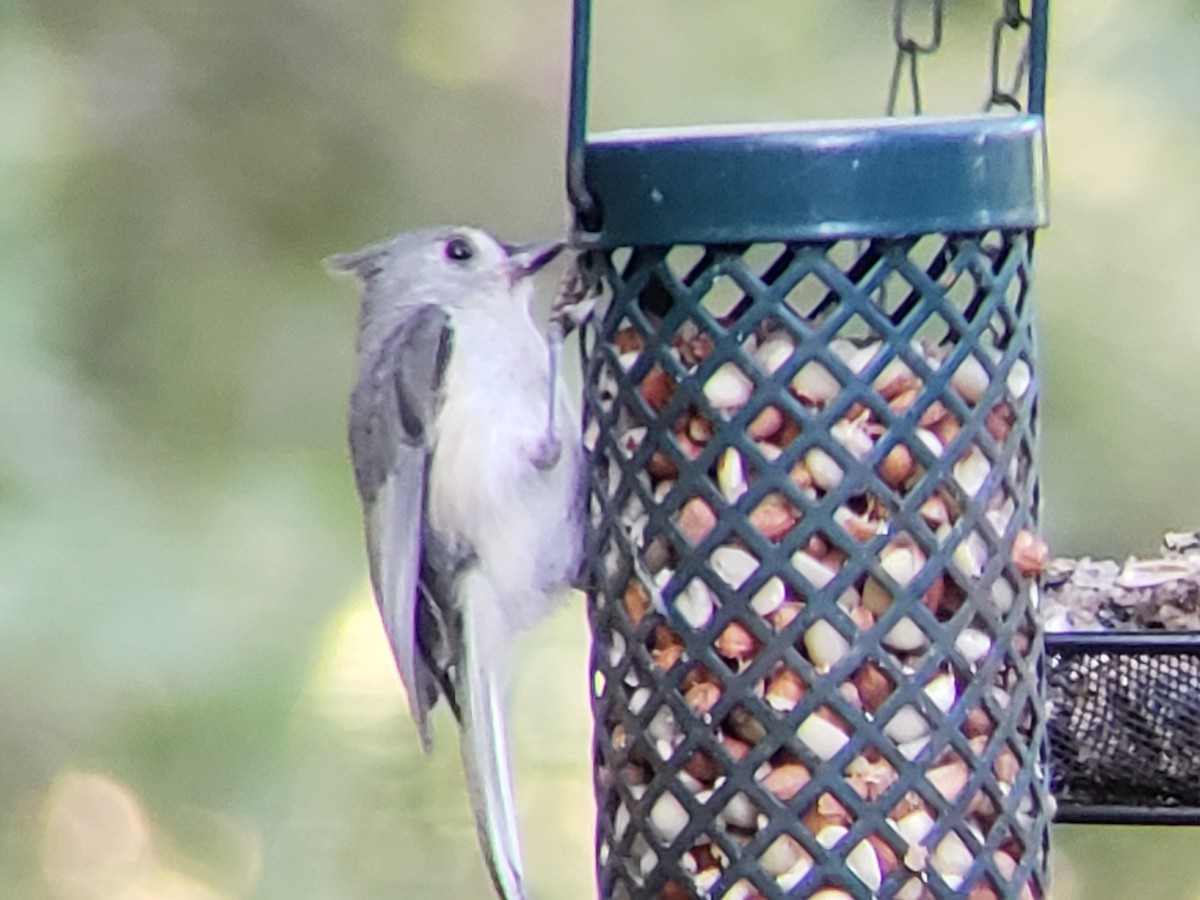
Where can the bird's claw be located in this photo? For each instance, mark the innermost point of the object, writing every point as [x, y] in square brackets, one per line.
[546, 453]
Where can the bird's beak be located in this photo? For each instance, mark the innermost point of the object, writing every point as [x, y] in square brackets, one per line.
[528, 258]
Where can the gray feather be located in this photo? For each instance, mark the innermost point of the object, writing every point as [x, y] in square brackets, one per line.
[484, 737]
[391, 413]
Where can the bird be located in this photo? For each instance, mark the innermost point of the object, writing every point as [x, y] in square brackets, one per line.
[468, 461]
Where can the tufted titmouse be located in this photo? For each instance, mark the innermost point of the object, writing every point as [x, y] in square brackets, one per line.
[467, 457]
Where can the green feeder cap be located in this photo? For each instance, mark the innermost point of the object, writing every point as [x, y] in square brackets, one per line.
[827, 181]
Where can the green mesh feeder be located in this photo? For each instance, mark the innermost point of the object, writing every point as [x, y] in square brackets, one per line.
[810, 409]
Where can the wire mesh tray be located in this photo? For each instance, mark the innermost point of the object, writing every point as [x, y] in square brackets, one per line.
[1123, 682]
[1125, 726]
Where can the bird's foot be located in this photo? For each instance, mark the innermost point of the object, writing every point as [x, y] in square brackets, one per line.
[546, 453]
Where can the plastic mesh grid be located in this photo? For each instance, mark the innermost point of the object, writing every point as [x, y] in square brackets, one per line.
[815, 663]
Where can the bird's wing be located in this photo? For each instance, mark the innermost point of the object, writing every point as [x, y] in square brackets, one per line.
[392, 413]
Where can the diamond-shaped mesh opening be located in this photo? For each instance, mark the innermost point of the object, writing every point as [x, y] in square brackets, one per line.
[814, 535]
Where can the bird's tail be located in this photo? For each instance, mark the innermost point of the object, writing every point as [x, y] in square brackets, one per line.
[484, 736]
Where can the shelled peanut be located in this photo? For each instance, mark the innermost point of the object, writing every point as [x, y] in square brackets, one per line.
[900, 458]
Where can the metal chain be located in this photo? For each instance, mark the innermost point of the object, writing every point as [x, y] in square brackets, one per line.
[909, 48]
[1012, 23]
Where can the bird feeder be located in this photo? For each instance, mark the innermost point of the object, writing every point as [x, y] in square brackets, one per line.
[811, 412]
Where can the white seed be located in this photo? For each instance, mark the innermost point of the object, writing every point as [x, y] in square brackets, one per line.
[906, 725]
[863, 862]
[952, 857]
[973, 644]
[627, 360]
[770, 452]
[849, 599]
[695, 604]
[862, 356]
[1003, 595]
[769, 597]
[706, 880]
[735, 566]
[742, 890]
[797, 873]
[817, 572]
[912, 749]
[822, 737]
[668, 816]
[971, 555]
[663, 727]
[906, 636]
[972, 471]
[914, 888]
[895, 377]
[826, 473]
[662, 489]
[648, 861]
[688, 863]
[845, 350]
[728, 389]
[942, 690]
[914, 826]
[620, 821]
[970, 380]
[949, 778]
[591, 435]
[935, 512]
[831, 835]
[853, 435]
[825, 645]
[638, 700]
[930, 440]
[1019, 379]
[774, 352]
[731, 475]
[694, 785]
[815, 384]
[740, 812]
[1002, 514]
[616, 648]
[782, 854]
[902, 562]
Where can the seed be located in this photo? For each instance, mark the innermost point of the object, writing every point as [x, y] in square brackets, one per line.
[822, 736]
[728, 389]
[657, 388]
[785, 781]
[826, 645]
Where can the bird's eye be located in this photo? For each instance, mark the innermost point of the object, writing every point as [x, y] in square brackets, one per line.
[459, 250]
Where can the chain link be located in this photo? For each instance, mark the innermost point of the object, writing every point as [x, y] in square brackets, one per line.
[910, 48]
[1012, 23]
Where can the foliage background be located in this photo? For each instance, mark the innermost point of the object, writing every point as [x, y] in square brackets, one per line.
[196, 700]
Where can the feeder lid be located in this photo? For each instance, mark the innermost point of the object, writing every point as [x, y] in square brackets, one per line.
[816, 182]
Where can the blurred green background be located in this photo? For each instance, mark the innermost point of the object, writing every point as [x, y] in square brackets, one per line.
[196, 701]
